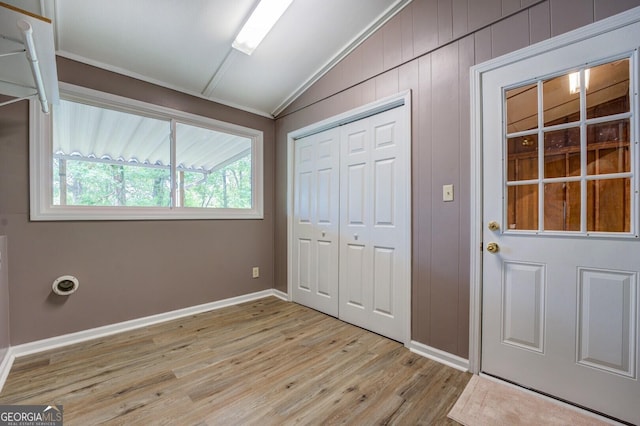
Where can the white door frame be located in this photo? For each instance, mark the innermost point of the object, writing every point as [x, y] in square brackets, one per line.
[475, 302]
[402, 99]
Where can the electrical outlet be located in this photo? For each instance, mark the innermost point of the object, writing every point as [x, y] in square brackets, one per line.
[256, 272]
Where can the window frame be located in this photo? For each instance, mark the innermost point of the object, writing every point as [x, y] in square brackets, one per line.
[41, 163]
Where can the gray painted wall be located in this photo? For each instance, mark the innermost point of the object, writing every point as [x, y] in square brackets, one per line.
[429, 48]
[4, 298]
[126, 269]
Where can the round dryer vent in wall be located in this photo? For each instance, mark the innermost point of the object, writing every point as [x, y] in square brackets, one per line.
[65, 285]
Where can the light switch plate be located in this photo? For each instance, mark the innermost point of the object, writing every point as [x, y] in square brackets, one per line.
[447, 192]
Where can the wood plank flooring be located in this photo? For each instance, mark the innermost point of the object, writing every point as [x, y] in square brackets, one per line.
[264, 362]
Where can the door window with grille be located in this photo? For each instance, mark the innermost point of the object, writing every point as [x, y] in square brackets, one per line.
[569, 151]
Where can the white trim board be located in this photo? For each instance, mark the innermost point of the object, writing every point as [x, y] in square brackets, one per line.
[85, 335]
[5, 365]
[621, 20]
[440, 356]
[281, 295]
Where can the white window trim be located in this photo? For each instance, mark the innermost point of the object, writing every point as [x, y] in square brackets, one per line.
[41, 164]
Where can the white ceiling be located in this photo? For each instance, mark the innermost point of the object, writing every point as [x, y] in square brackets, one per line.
[186, 45]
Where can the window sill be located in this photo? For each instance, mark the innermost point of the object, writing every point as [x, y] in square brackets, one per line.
[56, 213]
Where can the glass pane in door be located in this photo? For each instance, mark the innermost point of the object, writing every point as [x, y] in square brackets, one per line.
[522, 212]
[561, 104]
[522, 155]
[608, 89]
[522, 108]
[562, 153]
[608, 145]
[609, 205]
[562, 206]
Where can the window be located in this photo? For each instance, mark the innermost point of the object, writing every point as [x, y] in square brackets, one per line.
[103, 157]
[569, 157]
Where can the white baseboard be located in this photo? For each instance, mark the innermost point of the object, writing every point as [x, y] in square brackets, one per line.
[440, 356]
[5, 365]
[281, 295]
[81, 336]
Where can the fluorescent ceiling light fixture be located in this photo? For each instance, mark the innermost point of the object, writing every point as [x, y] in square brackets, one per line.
[263, 18]
[574, 81]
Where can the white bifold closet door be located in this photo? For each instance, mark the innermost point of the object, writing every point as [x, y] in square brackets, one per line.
[316, 216]
[352, 215]
[374, 201]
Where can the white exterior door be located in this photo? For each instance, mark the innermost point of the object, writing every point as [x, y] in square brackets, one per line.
[374, 224]
[316, 221]
[561, 261]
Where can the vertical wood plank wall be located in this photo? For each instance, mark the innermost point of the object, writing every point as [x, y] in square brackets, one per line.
[428, 48]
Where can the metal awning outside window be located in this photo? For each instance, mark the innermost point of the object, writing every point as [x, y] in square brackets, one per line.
[88, 133]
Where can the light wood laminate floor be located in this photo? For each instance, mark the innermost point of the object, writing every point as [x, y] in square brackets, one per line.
[262, 362]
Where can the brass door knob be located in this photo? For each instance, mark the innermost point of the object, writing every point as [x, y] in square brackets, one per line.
[493, 248]
[493, 225]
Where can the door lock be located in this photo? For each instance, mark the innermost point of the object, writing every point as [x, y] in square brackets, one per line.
[493, 225]
[493, 248]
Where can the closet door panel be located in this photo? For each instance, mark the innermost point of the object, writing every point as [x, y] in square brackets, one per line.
[391, 211]
[304, 264]
[384, 192]
[324, 196]
[383, 288]
[355, 184]
[304, 197]
[316, 222]
[374, 166]
[356, 194]
[354, 284]
[324, 262]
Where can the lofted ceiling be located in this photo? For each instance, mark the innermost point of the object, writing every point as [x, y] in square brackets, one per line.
[186, 45]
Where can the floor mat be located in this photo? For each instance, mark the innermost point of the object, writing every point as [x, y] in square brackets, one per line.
[488, 402]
